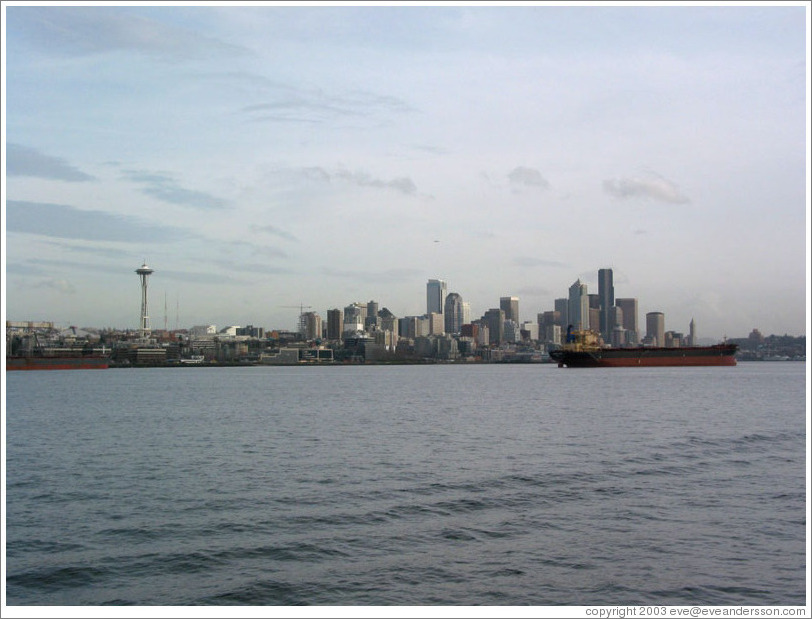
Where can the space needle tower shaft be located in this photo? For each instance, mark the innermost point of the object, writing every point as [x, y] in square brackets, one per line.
[144, 272]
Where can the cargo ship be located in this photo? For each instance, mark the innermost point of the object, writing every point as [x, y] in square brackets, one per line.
[60, 359]
[582, 349]
[39, 346]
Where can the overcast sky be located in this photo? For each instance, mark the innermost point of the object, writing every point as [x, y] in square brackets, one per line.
[260, 158]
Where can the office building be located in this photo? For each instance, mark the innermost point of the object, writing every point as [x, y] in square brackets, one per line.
[387, 321]
[354, 319]
[494, 319]
[655, 328]
[512, 333]
[562, 307]
[530, 330]
[453, 312]
[578, 306]
[628, 308]
[606, 298]
[510, 305]
[311, 326]
[435, 323]
[435, 296]
[371, 320]
[335, 321]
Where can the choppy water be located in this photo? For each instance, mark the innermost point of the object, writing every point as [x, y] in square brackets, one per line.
[483, 485]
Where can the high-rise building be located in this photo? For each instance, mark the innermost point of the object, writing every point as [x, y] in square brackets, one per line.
[335, 321]
[435, 323]
[435, 296]
[595, 319]
[562, 307]
[510, 305]
[494, 319]
[530, 330]
[655, 328]
[311, 326]
[578, 306]
[628, 306]
[466, 313]
[512, 332]
[387, 321]
[371, 320]
[453, 310]
[354, 318]
[606, 298]
[692, 333]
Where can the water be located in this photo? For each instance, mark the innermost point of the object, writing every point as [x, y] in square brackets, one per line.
[406, 485]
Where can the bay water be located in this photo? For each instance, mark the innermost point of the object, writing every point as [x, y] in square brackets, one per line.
[407, 485]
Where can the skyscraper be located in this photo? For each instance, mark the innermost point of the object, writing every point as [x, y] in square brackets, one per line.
[371, 320]
[435, 296]
[655, 328]
[562, 307]
[453, 311]
[494, 319]
[606, 298]
[629, 308]
[335, 322]
[466, 313]
[311, 326]
[354, 317]
[510, 305]
[578, 306]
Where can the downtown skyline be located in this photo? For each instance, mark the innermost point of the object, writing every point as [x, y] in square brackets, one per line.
[260, 158]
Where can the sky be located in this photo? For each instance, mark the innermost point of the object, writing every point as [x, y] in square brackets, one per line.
[265, 159]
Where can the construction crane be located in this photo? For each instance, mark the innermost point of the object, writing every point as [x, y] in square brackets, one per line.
[302, 308]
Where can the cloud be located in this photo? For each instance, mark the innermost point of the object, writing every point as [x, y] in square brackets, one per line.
[240, 266]
[81, 31]
[166, 189]
[654, 188]
[62, 286]
[108, 253]
[316, 106]
[68, 222]
[98, 266]
[25, 161]
[403, 185]
[243, 250]
[526, 261]
[379, 276]
[317, 176]
[534, 291]
[528, 177]
[274, 231]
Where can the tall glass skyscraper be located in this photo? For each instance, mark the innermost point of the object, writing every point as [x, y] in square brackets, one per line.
[435, 296]
[453, 313]
[578, 306]
[628, 307]
[510, 305]
[606, 298]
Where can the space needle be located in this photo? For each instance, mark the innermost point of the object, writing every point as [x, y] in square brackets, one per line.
[144, 272]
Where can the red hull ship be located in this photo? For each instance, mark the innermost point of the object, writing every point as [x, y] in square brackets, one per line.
[59, 358]
[89, 362]
[583, 351]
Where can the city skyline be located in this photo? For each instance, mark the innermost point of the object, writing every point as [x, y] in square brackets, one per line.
[265, 158]
[339, 321]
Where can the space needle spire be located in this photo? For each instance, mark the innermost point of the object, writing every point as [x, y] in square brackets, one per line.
[144, 272]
